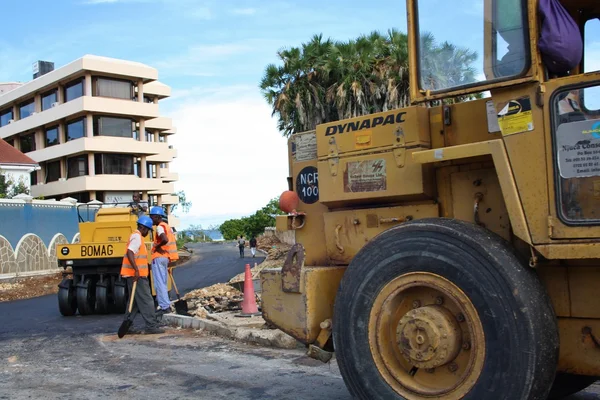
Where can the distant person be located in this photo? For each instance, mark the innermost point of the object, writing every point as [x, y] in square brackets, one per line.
[135, 268]
[137, 207]
[253, 246]
[241, 245]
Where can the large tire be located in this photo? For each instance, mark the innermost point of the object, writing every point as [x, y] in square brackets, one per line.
[120, 296]
[67, 300]
[102, 299]
[86, 297]
[568, 384]
[512, 349]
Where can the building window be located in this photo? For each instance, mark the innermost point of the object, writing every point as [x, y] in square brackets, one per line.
[137, 167]
[113, 164]
[26, 108]
[109, 126]
[148, 99]
[163, 165]
[33, 178]
[52, 171]
[52, 136]
[48, 99]
[77, 166]
[81, 197]
[74, 90]
[5, 116]
[149, 136]
[27, 143]
[75, 129]
[162, 139]
[114, 88]
[151, 171]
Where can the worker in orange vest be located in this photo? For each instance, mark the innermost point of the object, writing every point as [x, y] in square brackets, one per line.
[164, 249]
[135, 269]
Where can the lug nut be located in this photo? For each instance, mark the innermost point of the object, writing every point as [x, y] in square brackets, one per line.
[466, 346]
[453, 367]
[416, 304]
[460, 317]
[439, 300]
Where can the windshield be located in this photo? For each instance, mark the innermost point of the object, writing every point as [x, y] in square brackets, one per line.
[469, 42]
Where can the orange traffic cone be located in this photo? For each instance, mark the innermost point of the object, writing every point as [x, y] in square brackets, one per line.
[249, 307]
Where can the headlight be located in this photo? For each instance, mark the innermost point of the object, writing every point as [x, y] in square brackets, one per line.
[69, 262]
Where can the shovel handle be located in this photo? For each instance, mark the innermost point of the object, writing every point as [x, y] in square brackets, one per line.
[174, 284]
[132, 296]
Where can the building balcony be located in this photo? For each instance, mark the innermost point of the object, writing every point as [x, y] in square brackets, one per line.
[100, 144]
[160, 124]
[80, 106]
[163, 188]
[116, 183]
[157, 89]
[169, 176]
[174, 222]
[170, 199]
[164, 157]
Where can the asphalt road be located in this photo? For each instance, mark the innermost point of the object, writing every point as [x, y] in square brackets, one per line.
[45, 355]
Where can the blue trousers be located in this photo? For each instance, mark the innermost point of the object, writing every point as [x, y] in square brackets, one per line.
[159, 273]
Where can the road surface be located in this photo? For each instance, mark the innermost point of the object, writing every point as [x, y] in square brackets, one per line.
[45, 355]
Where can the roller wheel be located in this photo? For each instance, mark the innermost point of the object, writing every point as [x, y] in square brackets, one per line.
[568, 384]
[120, 296]
[102, 301]
[443, 309]
[67, 300]
[86, 297]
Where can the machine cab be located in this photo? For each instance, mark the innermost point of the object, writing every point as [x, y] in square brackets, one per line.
[546, 112]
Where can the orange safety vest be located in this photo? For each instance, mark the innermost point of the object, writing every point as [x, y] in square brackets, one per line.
[169, 249]
[141, 259]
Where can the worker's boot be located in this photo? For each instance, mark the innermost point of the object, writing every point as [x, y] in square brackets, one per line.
[153, 331]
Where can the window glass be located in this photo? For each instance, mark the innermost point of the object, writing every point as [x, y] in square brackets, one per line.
[591, 63]
[149, 136]
[52, 136]
[114, 88]
[117, 164]
[464, 45]
[162, 138]
[5, 116]
[109, 126]
[77, 166]
[48, 99]
[26, 109]
[75, 130]
[33, 178]
[53, 171]
[577, 146]
[74, 90]
[27, 143]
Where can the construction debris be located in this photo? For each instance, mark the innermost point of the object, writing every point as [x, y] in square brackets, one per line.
[276, 254]
[216, 298]
[27, 287]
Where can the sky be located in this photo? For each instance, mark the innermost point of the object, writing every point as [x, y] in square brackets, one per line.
[231, 158]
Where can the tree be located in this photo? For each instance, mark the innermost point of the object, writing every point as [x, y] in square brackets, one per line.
[9, 188]
[252, 225]
[183, 202]
[323, 81]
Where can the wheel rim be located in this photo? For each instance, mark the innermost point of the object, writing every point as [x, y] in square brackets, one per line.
[426, 337]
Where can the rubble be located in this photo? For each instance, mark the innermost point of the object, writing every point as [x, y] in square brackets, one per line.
[216, 298]
[276, 254]
[27, 287]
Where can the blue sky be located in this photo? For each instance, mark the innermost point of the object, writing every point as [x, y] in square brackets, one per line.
[231, 159]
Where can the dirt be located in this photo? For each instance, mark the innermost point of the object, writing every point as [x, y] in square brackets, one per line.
[216, 298]
[26, 288]
[276, 254]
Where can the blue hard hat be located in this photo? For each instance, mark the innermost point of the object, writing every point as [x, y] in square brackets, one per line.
[156, 210]
[145, 221]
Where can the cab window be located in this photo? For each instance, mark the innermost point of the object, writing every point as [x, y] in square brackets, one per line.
[471, 43]
[577, 155]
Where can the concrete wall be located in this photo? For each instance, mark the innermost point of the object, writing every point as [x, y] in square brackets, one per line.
[30, 231]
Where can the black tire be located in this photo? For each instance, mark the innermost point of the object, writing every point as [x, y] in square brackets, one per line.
[568, 384]
[67, 300]
[521, 335]
[120, 296]
[86, 297]
[102, 299]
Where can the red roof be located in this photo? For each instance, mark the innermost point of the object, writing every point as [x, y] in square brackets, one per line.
[10, 155]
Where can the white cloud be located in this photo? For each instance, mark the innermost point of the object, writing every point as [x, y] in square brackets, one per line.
[231, 158]
[244, 11]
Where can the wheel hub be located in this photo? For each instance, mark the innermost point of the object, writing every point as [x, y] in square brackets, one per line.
[429, 336]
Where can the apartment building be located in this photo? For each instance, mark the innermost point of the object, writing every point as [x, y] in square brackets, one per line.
[94, 128]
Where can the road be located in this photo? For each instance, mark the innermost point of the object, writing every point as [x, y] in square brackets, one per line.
[45, 355]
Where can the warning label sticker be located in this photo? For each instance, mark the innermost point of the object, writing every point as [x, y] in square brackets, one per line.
[516, 117]
[304, 147]
[578, 145]
[365, 176]
[362, 139]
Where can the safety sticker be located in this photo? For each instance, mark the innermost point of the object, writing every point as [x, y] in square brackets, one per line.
[304, 147]
[365, 176]
[516, 117]
[362, 139]
[492, 117]
[578, 148]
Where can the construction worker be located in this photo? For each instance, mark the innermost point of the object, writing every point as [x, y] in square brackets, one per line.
[163, 250]
[135, 269]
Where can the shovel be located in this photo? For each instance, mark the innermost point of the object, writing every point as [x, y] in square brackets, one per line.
[125, 325]
[181, 306]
